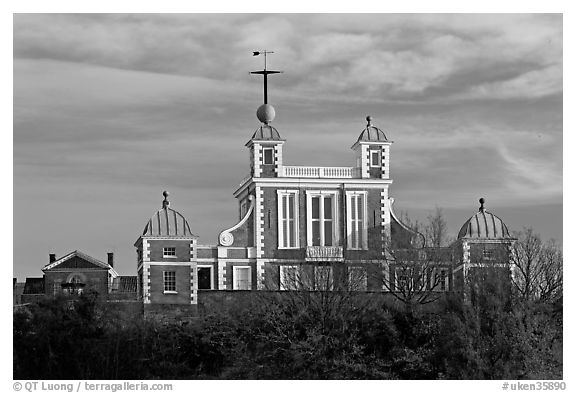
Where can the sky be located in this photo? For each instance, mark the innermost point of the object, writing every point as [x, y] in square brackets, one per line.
[112, 109]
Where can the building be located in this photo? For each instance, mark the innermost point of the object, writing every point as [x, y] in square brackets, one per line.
[77, 273]
[310, 228]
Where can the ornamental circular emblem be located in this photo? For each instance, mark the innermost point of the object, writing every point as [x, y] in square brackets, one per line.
[226, 239]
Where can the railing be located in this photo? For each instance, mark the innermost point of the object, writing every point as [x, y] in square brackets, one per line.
[320, 172]
[324, 253]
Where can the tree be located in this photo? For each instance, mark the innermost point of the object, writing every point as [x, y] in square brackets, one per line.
[537, 267]
[417, 276]
[436, 229]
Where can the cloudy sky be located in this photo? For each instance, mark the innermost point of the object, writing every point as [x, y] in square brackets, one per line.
[110, 110]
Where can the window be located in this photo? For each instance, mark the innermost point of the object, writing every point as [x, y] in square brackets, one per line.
[487, 254]
[74, 286]
[169, 252]
[169, 282]
[322, 218]
[288, 219]
[323, 278]
[357, 225]
[243, 208]
[375, 158]
[205, 277]
[441, 281]
[404, 279]
[242, 279]
[268, 155]
[357, 278]
[289, 278]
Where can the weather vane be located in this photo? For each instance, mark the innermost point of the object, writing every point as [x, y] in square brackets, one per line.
[264, 72]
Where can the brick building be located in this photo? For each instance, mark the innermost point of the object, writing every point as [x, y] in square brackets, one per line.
[78, 273]
[309, 228]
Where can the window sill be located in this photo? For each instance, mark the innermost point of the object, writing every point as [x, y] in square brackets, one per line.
[170, 292]
[289, 248]
[170, 256]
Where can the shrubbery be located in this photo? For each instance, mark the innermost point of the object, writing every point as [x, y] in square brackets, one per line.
[277, 338]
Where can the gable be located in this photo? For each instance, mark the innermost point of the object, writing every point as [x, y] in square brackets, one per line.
[77, 262]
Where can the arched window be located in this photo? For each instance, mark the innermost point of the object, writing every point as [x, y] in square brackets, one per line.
[74, 285]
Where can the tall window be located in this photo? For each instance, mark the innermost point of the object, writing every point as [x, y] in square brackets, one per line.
[322, 218]
[169, 251]
[323, 278]
[357, 227]
[357, 278]
[243, 208]
[375, 158]
[288, 219]
[268, 156]
[169, 281]
[242, 280]
[404, 279]
[441, 281]
[289, 278]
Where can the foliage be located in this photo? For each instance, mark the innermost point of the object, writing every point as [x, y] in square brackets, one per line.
[538, 271]
[491, 337]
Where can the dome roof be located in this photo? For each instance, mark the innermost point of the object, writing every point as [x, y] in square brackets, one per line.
[371, 133]
[266, 132]
[484, 225]
[167, 222]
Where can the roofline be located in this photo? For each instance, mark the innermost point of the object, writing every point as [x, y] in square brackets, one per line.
[359, 142]
[265, 141]
[57, 262]
[404, 226]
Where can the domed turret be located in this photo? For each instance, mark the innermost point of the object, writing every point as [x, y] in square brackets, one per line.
[484, 225]
[372, 133]
[167, 222]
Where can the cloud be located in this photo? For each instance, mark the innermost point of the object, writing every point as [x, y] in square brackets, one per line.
[378, 56]
[109, 110]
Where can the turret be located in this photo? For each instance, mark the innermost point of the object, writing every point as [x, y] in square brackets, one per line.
[372, 152]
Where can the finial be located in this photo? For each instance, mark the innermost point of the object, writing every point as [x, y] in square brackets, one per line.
[165, 202]
[369, 120]
[481, 200]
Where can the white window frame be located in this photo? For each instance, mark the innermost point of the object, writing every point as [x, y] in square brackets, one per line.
[167, 252]
[352, 278]
[211, 276]
[281, 195]
[352, 224]
[335, 216]
[235, 285]
[264, 150]
[487, 254]
[379, 158]
[283, 273]
[165, 281]
[439, 271]
[330, 276]
[409, 272]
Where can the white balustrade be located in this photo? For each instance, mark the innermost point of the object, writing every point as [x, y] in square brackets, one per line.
[320, 172]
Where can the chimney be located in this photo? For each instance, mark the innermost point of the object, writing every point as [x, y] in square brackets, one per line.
[111, 259]
[52, 258]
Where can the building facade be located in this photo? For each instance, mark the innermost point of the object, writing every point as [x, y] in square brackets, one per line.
[310, 228]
